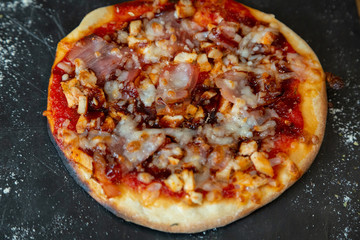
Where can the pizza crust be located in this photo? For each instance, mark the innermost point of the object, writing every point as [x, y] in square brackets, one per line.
[171, 215]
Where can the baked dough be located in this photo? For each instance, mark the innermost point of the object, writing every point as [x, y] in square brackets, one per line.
[174, 215]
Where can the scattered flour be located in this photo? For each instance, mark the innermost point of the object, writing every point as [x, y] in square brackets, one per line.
[348, 130]
[27, 3]
[345, 125]
[16, 4]
[346, 200]
[20, 233]
[1, 79]
[7, 190]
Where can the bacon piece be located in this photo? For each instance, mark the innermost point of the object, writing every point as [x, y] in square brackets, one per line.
[136, 146]
[226, 35]
[231, 84]
[102, 57]
[177, 82]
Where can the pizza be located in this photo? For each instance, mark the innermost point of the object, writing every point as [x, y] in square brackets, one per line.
[185, 116]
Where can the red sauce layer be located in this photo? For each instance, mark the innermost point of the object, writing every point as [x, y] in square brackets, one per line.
[208, 12]
[289, 127]
[132, 181]
[58, 103]
[236, 12]
[128, 11]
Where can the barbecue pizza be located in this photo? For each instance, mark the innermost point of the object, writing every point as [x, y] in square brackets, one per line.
[185, 116]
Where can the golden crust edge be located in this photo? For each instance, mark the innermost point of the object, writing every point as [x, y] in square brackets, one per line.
[98, 17]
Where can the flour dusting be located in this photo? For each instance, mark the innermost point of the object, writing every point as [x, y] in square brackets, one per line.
[347, 130]
[27, 3]
[16, 4]
[1, 78]
[7, 190]
[335, 196]
[20, 233]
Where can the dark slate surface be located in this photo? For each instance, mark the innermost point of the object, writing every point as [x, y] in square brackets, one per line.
[39, 199]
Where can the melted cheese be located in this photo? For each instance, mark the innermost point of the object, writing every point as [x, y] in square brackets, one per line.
[153, 53]
[171, 50]
[112, 90]
[147, 92]
[147, 141]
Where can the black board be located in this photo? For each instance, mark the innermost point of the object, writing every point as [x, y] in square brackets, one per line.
[40, 200]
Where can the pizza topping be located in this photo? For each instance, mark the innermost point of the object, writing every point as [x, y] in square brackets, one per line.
[83, 103]
[176, 82]
[136, 146]
[66, 67]
[233, 88]
[261, 163]
[184, 9]
[96, 55]
[146, 178]
[226, 35]
[194, 106]
[72, 92]
[135, 27]
[195, 197]
[248, 148]
[174, 183]
[147, 92]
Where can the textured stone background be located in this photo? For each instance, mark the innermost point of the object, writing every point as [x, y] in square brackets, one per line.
[40, 200]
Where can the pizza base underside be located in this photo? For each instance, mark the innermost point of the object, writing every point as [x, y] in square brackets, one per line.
[175, 216]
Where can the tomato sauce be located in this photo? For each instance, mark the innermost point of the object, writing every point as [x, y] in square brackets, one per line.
[108, 29]
[123, 13]
[228, 191]
[236, 12]
[289, 127]
[128, 11]
[280, 43]
[167, 192]
[232, 11]
[132, 181]
[58, 103]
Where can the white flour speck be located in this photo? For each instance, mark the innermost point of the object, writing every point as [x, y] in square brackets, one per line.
[22, 233]
[345, 128]
[1, 79]
[347, 230]
[346, 201]
[12, 6]
[26, 3]
[7, 190]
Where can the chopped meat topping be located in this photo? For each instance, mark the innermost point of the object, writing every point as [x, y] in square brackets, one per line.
[192, 105]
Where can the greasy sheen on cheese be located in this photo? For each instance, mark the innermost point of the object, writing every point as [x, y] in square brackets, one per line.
[185, 107]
